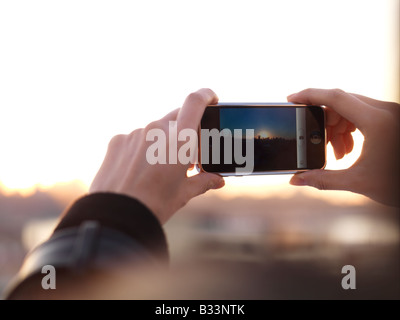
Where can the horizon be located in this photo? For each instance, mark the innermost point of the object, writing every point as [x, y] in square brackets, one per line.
[76, 74]
[62, 101]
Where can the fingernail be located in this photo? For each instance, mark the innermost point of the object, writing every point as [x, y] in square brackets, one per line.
[290, 96]
[298, 180]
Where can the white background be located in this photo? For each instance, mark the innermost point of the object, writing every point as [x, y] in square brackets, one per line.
[75, 73]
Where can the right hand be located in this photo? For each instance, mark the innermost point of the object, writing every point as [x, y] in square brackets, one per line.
[376, 172]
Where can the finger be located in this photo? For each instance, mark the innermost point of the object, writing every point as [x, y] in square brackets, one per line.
[328, 134]
[343, 103]
[171, 116]
[332, 117]
[374, 102]
[348, 142]
[322, 179]
[340, 127]
[339, 146]
[351, 127]
[203, 182]
[193, 108]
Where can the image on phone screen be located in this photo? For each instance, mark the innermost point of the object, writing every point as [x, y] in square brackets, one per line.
[284, 137]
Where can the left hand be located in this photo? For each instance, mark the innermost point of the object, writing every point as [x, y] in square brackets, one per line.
[163, 188]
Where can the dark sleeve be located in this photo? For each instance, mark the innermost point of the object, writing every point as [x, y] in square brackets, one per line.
[100, 232]
[121, 213]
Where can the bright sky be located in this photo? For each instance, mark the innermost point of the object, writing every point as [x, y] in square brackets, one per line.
[280, 122]
[75, 73]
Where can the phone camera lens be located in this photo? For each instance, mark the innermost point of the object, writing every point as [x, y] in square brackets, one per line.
[316, 137]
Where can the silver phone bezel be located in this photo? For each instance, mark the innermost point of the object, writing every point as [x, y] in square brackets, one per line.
[260, 104]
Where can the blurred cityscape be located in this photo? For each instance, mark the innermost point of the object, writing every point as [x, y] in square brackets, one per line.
[296, 242]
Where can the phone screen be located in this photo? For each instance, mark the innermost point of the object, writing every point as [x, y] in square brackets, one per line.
[262, 138]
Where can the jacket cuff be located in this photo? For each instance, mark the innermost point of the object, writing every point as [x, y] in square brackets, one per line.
[121, 213]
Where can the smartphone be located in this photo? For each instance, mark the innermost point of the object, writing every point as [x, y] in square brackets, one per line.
[262, 138]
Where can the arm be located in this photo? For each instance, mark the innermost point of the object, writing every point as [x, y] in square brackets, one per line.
[119, 223]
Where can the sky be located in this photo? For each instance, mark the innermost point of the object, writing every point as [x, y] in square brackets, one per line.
[75, 73]
[269, 123]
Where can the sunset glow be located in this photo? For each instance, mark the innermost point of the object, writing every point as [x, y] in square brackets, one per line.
[263, 134]
[67, 88]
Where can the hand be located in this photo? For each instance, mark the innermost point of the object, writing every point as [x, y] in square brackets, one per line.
[163, 188]
[376, 172]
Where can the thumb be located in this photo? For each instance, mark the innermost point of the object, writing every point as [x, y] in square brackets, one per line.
[322, 179]
[202, 182]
